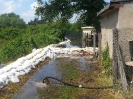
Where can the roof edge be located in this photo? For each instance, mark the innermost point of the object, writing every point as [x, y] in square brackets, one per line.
[104, 9]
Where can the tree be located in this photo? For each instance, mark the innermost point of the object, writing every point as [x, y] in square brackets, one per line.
[36, 21]
[54, 9]
[11, 20]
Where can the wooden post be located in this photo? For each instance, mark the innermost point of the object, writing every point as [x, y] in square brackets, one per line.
[87, 42]
[94, 42]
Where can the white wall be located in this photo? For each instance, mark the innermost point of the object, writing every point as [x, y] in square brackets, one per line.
[108, 23]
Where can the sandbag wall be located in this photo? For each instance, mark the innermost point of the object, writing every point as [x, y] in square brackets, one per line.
[23, 65]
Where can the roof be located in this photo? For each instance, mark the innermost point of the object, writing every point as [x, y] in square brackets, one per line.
[112, 6]
[104, 9]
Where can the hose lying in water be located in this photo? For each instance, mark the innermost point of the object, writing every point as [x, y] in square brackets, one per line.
[79, 86]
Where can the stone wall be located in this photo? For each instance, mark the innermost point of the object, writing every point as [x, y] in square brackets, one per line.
[124, 36]
[121, 53]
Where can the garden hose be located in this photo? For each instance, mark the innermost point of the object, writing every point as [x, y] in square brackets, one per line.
[79, 86]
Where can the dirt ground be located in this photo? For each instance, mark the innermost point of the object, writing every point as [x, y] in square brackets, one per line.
[12, 88]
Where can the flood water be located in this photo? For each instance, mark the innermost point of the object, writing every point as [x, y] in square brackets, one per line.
[29, 90]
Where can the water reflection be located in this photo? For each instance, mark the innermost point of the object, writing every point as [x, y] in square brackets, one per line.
[29, 90]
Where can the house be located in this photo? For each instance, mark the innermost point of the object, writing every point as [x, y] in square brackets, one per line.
[117, 15]
[117, 32]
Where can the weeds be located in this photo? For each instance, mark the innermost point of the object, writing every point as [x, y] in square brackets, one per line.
[106, 61]
[74, 75]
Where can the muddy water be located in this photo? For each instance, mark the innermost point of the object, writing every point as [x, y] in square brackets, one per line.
[29, 90]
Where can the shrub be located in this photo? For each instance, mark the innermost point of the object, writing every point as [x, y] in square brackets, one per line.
[106, 61]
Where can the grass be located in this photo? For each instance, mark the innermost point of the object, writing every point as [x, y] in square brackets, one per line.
[74, 75]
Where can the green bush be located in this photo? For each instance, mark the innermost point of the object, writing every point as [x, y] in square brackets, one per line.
[9, 33]
[21, 42]
[106, 61]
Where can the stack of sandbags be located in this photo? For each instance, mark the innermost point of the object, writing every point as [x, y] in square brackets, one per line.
[24, 65]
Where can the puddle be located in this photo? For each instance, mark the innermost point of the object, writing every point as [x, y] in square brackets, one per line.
[29, 90]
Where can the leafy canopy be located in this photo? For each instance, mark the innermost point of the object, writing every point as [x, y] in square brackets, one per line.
[54, 9]
[11, 20]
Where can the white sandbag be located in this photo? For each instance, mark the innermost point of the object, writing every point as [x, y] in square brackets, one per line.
[39, 50]
[44, 52]
[33, 59]
[39, 60]
[34, 53]
[37, 56]
[1, 71]
[33, 66]
[43, 58]
[26, 64]
[46, 49]
[1, 82]
[14, 79]
[20, 73]
[52, 55]
[8, 67]
[5, 69]
[29, 56]
[21, 60]
[15, 65]
[17, 73]
[57, 51]
[27, 70]
[21, 68]
[32, 63]
[33, 50]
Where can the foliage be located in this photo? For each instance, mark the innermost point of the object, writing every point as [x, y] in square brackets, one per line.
[19, 44]
[36, 21]
[77, 26]
[11, 20]
[106, 61]
[9, 33]
[66, 8]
